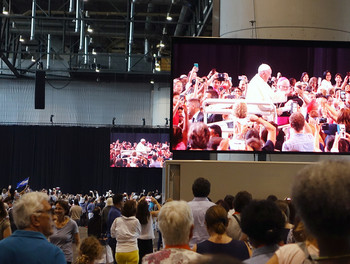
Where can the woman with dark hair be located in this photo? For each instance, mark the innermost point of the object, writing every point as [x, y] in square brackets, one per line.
[145, 241]
[5, 228]
[127, 229]
[313, 84]
[326, 81]
[263, 223]
[66, 230]
[219, 242]
[304, 78]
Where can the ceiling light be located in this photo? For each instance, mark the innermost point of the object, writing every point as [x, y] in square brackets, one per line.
[21, 39]
[33, 59]
[5, 11]
[89, 29]
[169, 18]
[93, 52]
[152, 82]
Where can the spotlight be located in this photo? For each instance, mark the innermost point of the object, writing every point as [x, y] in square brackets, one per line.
[169, 18]
[21, 39]
[143, 121]
[151, 82]
[33, 59]
[93, 52]
[161, 45]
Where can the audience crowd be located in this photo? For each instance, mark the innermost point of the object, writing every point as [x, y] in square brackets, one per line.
[309, 227]
[266, 113]
[140, 155]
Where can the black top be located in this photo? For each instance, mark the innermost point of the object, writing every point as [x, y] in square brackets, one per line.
[235, 248]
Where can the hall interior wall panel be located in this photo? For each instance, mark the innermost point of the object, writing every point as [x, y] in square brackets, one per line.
[227, 177]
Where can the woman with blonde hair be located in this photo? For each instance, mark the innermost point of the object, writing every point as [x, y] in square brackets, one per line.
[89, 251]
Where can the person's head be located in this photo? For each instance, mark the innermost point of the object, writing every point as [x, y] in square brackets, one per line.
[97, 211]
[304, 77]
[216, 219]
[320, 193]
[117, 199]
[33, 211]
[90, 250]
[175, 222]
[109, 201]
[223, 204]
[215, 131]
[242, 199]
[198, 135]
[327, 75]
[178, 87]
[344, 118]
[313, 83]
[254, 144]
[176, 98]
[297, 121]
[129, 208]
[240, 110]
[283, 85]
[3, 212]
[142, 212]
[343, 145]
[61, 208]
[265, 72]
[263, 222]
[338, 78]
[292, 81]
[211, 94]
[283, 206]
[201, 187]
[272, 198]
[229, 200]
[193, 107]
[177, 136]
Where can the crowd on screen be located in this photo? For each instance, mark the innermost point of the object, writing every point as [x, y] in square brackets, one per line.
[266, 113]
[143, 154]
[235, 229]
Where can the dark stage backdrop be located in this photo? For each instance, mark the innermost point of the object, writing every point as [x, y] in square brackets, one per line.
[76, 159]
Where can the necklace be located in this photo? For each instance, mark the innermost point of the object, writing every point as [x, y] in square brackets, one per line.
[63, 223]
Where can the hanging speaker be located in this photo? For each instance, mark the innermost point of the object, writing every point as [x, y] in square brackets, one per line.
[39, 99]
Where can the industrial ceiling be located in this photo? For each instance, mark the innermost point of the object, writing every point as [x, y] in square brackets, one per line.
[107, 36]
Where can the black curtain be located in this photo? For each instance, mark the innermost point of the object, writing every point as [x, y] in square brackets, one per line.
[76, 159]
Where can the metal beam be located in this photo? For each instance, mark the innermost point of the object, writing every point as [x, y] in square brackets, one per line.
[9, 64]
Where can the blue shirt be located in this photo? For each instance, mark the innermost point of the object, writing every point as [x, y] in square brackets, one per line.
[112, 214]
[29, 247]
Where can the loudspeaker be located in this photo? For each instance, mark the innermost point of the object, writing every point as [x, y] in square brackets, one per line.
[39, 99]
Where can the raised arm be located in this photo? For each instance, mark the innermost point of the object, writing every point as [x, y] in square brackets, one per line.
[271, 135]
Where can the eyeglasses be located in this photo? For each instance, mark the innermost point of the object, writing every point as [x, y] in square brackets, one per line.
[49, 212]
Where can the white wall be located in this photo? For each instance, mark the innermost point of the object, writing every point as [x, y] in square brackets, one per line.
[91, 103]
[285, 19]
